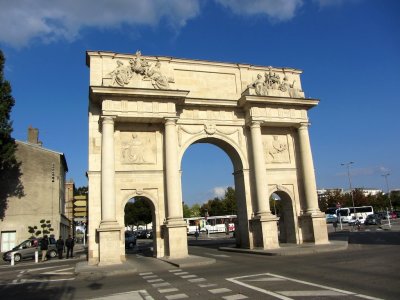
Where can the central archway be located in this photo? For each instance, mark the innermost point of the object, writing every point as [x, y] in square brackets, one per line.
[241, 228]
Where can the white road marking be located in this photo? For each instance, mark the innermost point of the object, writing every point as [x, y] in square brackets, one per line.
[310, 293]
[197, 280]
[150, 276]
[23, 281]
[155, 280]
[267, 279]
[188, 276]
[205, 285]
[177, 296]
[280, 296]
[132, 295]
[175, 270]
[156, 285]
[181, 273]
[162, 291]
[60, 272]
[220, 291]
[147, 273]
[235, 297]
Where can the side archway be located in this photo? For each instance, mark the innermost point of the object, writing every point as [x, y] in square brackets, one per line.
[287, 215]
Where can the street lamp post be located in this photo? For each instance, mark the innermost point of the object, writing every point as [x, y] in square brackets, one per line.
[351, 189]
[390, 201]
[387, 188]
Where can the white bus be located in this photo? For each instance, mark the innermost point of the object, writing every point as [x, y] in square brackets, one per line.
[350, 214]
[213, 224]
[195, 224]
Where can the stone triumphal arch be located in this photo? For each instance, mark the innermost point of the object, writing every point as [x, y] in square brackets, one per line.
[145, 111]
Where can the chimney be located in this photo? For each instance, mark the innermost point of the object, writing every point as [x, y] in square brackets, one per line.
[33, 136]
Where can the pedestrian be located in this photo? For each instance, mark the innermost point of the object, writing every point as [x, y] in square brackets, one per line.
[196, 234]
[335, 225]
[44, 246]
[60, 247]
[69, 243]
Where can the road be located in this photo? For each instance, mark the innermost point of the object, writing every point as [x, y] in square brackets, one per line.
[368, 269]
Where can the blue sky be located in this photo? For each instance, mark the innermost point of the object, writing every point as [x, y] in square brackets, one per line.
[349, 52]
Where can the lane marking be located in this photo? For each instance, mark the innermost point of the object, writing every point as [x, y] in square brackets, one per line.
[162, 291]
[235, 297]
[280, 296]
[220, 291]
[140, 294]
[156, 285]
[310, 293]
[177, 296]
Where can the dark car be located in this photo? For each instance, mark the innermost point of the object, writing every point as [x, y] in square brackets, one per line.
[130, 239]
[28, 248]
[373, 220]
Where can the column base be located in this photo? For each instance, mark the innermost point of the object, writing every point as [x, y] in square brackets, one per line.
[109, 244]
[265, 232]
[313, 228]
[175, 236]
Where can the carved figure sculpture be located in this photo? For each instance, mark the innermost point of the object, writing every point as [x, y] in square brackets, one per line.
[139, 65]
[277, 149]
[259, 86]
[158, 80]
[121, 75]
[134, 151]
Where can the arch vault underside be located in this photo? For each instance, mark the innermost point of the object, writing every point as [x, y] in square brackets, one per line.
[145, 111]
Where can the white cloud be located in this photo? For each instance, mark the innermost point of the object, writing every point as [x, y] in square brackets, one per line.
[219, 191]
[279, 10]
[49, 20]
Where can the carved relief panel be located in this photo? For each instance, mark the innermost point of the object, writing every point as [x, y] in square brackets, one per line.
[276, 148]
[138, 148]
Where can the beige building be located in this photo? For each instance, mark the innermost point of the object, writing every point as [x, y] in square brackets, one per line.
[144, 112]
[43, 178]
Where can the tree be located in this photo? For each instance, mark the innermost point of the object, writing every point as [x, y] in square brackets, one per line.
[221, 206]
[138, 212]
[10, 173]
[80, 191]
[46, 228]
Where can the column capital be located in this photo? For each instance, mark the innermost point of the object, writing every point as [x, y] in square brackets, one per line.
[107, 118]
[255, 124]
[170, 121]
[304, 125]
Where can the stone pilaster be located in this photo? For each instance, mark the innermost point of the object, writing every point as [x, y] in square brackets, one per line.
[312, 220]
[264, 225]
[175, 226]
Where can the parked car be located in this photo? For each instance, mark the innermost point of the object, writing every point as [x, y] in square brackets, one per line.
[130, 239]
[331, 218]
[28, 248]
[374, 219]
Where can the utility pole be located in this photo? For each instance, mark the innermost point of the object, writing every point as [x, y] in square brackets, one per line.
[390, 201]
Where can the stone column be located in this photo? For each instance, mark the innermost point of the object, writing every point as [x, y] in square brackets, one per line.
[172, 173]
[312, 222]
[264, 225]
[310, 186]
[175, 226]
[259, 171]
[107, 172]
[109, 230]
